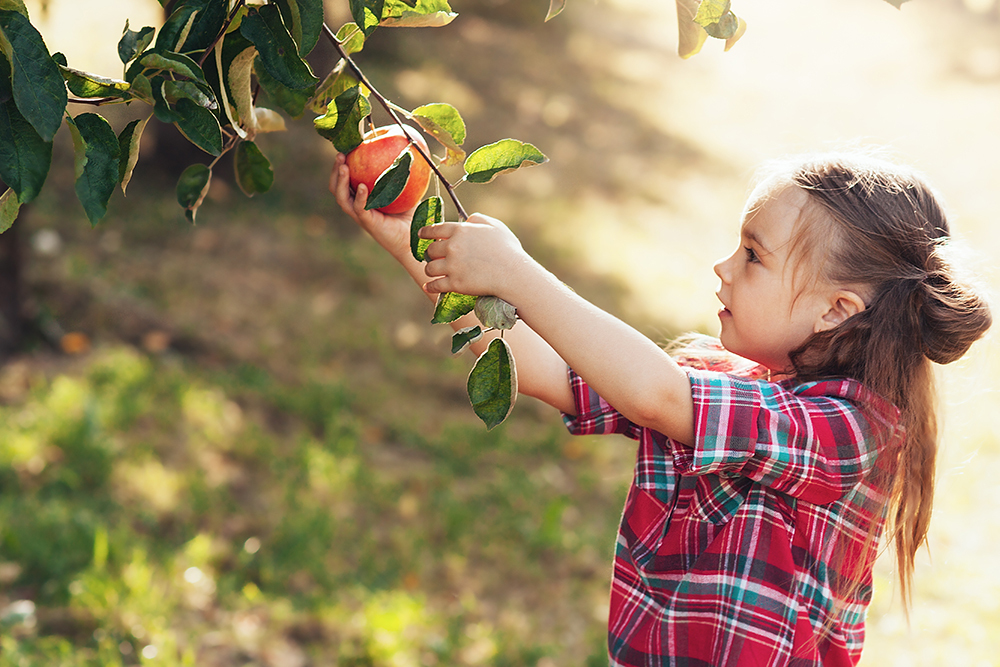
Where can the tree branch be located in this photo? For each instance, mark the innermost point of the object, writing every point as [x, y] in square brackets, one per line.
[388, 106]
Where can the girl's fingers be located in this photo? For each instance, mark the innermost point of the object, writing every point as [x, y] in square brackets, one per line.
[436, 250]
[340, 186]
[435, 268]
[438, 286]
[336, 173]
[360, 199]
[441, 230]
[335, 179]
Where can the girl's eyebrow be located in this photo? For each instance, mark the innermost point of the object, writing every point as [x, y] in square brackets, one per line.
[751, 236]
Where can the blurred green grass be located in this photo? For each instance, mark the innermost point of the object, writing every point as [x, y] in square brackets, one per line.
[266, 455]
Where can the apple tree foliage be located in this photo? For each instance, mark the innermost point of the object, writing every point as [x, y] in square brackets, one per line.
[202, 70]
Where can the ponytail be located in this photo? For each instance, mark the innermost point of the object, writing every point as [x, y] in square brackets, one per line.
[890, 238]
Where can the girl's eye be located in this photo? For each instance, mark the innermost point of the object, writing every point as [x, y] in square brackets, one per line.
[751, 255]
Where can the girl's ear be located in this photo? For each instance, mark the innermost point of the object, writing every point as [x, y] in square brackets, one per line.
[843, 304]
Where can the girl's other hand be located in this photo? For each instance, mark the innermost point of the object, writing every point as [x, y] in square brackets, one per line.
[477, 257]
[392, 232]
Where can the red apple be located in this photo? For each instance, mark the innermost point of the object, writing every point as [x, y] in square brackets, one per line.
[376, 153]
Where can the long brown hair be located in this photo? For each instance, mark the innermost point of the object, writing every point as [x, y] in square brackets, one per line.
[884, 232]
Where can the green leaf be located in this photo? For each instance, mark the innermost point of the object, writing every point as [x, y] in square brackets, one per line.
[87, 85]
[164, 112]
[234, 25]
[488, 162]
[37, 84]
[367, 14]
[495, 313]
[416, 14]
[898, 4]
[253, 170]
[555, 8]
[174, 91]
[492, 383]
[79, 149]
[6, 92]
[292, 101]
[228, 72]
[305, 18]
[176, 28]
[428, 212]
[193, 25]
[337, 81]
[9, 206]
[711, 11]
[391, 183]
[99, 176]
[351, 38]
[199, 126]
[166, 61]
[277, 51]
[133, 43]
[128, 150]
[192, 187]
[142, 89]
[444, 123]
[451, 306]
[15, 6]
[463, 337]
[342, 122]
[725, 28]
[24, 156]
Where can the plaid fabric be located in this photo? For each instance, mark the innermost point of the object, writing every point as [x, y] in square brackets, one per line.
[729, 552]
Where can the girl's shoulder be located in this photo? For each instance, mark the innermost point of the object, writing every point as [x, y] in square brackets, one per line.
[706, 353]
[850, 390]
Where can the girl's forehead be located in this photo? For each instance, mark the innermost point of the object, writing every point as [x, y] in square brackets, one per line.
[772, 211]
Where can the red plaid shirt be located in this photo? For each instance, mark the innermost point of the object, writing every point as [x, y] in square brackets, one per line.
[727, 551]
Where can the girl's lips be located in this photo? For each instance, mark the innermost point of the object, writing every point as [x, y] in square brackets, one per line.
[724, 312]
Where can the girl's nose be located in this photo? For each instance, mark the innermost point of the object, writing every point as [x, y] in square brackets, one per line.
[722, 269]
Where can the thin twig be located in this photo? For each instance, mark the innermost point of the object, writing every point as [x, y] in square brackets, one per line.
[232, 141]
[96, 101]
[388, 106]
[229, 21]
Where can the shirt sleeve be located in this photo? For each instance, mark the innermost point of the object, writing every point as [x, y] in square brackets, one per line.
[594, 415]
[811, 441]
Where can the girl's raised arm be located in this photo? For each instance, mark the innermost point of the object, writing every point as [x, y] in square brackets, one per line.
[622, 365]
[541, 371]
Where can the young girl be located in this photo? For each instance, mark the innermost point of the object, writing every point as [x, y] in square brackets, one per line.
[768, 461]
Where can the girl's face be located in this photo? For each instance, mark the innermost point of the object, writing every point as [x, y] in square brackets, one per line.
[766, 313]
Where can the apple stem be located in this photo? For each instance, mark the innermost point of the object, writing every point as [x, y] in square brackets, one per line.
[388, 106]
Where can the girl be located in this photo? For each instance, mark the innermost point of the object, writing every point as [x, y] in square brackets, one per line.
[769, 461]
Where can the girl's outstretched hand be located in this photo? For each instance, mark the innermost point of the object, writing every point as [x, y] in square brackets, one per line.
[477, 257]
[392, 232]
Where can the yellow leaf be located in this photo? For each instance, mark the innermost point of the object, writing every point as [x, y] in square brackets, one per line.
[268, 120]
[239, 83]
[739, 33]
[691, 35]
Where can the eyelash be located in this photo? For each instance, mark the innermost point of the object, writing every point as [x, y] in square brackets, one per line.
[751, 255]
